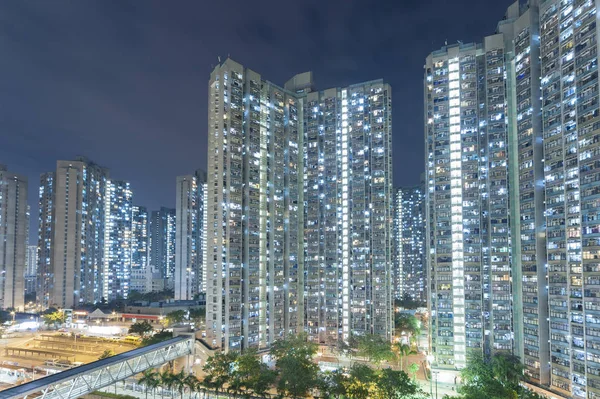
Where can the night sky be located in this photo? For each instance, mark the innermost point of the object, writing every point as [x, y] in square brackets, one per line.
[125, 82]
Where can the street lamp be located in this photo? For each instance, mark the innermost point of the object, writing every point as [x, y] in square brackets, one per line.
[429, 361]
[436, 380]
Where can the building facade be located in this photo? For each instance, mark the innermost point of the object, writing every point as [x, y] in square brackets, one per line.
[162, 244]
[45, 270]
[298, 213]
[78, 238]
[570, 125]
[189, 217]
[254, 265]
[14, 221]
[141, 276]
[549, 103]
[409, 243]
[31, 265]
[116, 276]
[348, 218]
[468, 231]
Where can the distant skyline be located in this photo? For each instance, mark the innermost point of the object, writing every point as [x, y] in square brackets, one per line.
[124, 83]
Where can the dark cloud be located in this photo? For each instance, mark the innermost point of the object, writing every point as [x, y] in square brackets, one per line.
[124, 82]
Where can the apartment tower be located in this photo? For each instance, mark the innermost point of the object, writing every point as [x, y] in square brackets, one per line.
[254, 235]
[409, 243]
[162, 244]
[45, 271]
[468, 232]
[141, 277]
[13, 238]
[189, 255]
[116, 276]
[348, 211]
[298, 210]
[77, 254]
[31, 264]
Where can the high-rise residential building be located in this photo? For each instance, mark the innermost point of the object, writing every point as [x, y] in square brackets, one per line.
[348, 211]
[78, 239]
[116, 276]
[254, 266]
[141, 276]
[31, 265]
[45, 271]
[189, 219]
[551, 111]
[409, 244]
[162, 244]
[13, 236]
[528, 223]
[468, 232]
[298, 211]
[570, 129]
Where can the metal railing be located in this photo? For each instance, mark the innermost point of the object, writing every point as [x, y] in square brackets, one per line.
[73, 383]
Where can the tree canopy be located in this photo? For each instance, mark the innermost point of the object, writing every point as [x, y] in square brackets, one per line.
[294, 360]
[497, 378]
[55, 318]
[141, 328]
[374, 348]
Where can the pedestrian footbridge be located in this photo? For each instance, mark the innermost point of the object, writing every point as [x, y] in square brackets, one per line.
[78, 381]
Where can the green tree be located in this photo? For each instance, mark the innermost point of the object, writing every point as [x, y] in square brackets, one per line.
[413, 369]
[357, 389]
[374, 348]
[197, 316]
[141, 328]
[397, 384]
[508, 369]
[332, 384]
[192, 383]
[156, 338]
[403, 351]
[496, 378]
[297, 371]
[218, 369]
[174, 317]
[107, 353]
[179, 382]
[362, 372]
[251, 375]
[150, 380]
[167, 380]
[55, 318]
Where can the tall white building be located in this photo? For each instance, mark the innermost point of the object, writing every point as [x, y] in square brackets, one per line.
[45, 271]
[545, 85]
[468, 233]
[162, 245]
[31, 267]
[254, 235]
[410, 272]
[299, 215]
[141, 275]
[189, 219]
[116, 276]
[76, 209]
[13, 236]
[348, 210]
